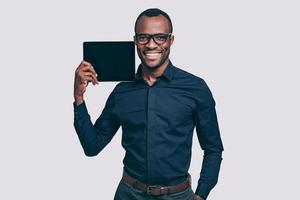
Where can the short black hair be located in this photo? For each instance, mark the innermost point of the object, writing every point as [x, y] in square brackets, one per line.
[153, 12]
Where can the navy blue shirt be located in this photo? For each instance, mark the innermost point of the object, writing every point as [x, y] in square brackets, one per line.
[157, 128]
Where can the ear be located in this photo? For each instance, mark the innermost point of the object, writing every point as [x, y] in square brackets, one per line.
[134, 40]
[172, 39]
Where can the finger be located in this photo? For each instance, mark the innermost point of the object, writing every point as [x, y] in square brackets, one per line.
[95, 81]
[88, 68]
[84, 70]
[85, 62]
[86, 79]
[88, 74]
[84, 67]
[94, 75]
[89, 65]
[85, 75]
[92, 68]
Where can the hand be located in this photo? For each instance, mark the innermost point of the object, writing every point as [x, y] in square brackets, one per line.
[198, 197]
[84, 74]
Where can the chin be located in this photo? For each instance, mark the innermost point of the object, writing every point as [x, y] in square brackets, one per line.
[152, 65]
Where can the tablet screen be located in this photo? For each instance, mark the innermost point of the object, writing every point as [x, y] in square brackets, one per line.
[113, 61]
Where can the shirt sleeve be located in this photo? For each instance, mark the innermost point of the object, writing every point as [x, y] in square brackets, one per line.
[210, 141]
[94, 137]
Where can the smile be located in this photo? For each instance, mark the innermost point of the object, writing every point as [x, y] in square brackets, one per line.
[152, 55]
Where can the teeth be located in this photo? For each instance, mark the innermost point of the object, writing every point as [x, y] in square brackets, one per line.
[152, 54]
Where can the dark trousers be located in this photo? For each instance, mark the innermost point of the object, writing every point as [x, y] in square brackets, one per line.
[127, 192]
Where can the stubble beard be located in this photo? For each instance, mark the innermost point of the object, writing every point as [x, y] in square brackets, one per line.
[154, 68]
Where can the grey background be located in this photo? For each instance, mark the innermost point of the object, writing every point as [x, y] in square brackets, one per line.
[247, 51]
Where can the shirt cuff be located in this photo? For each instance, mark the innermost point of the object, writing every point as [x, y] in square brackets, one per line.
[203, 190]
[80, 110]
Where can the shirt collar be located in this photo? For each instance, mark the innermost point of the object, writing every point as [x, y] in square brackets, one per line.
[168, 72]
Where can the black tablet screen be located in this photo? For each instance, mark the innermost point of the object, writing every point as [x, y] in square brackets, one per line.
[113, 61]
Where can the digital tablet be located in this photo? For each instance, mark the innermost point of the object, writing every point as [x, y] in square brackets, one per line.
[112, 60]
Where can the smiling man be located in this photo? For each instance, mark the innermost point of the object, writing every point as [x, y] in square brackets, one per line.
[158, 112]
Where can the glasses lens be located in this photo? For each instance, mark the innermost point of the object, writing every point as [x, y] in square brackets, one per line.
[158, 38]
[161, 38]
[143, 39]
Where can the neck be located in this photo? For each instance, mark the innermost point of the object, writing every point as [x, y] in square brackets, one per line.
[151, 74]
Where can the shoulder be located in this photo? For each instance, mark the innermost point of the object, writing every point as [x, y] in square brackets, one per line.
[188, 78]
[124, 86]
[194, 84]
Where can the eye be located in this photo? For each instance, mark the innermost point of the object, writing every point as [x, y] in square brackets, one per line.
[142, 38]
[161, 37]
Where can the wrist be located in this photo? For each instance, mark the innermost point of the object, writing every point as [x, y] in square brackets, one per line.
[78, 100]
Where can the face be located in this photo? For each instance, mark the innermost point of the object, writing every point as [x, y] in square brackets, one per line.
[153, 55]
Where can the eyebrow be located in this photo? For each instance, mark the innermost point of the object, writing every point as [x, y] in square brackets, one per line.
[152, 34]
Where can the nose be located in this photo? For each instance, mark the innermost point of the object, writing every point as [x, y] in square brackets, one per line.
[151, 44]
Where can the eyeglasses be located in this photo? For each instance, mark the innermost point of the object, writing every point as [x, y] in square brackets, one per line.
[158, 38]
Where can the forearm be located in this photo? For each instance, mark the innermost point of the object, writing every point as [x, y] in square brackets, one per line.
[210, 140]
[85, 130]
[209, 173]
[94, 138]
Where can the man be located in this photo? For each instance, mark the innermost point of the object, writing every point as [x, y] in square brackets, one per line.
[157, 112]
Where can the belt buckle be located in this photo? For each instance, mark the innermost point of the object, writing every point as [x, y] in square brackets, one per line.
[150, 189]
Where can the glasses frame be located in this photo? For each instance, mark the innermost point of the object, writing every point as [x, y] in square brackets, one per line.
[152, 36]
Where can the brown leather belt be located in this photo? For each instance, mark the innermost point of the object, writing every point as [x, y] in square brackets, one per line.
[155, 190]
